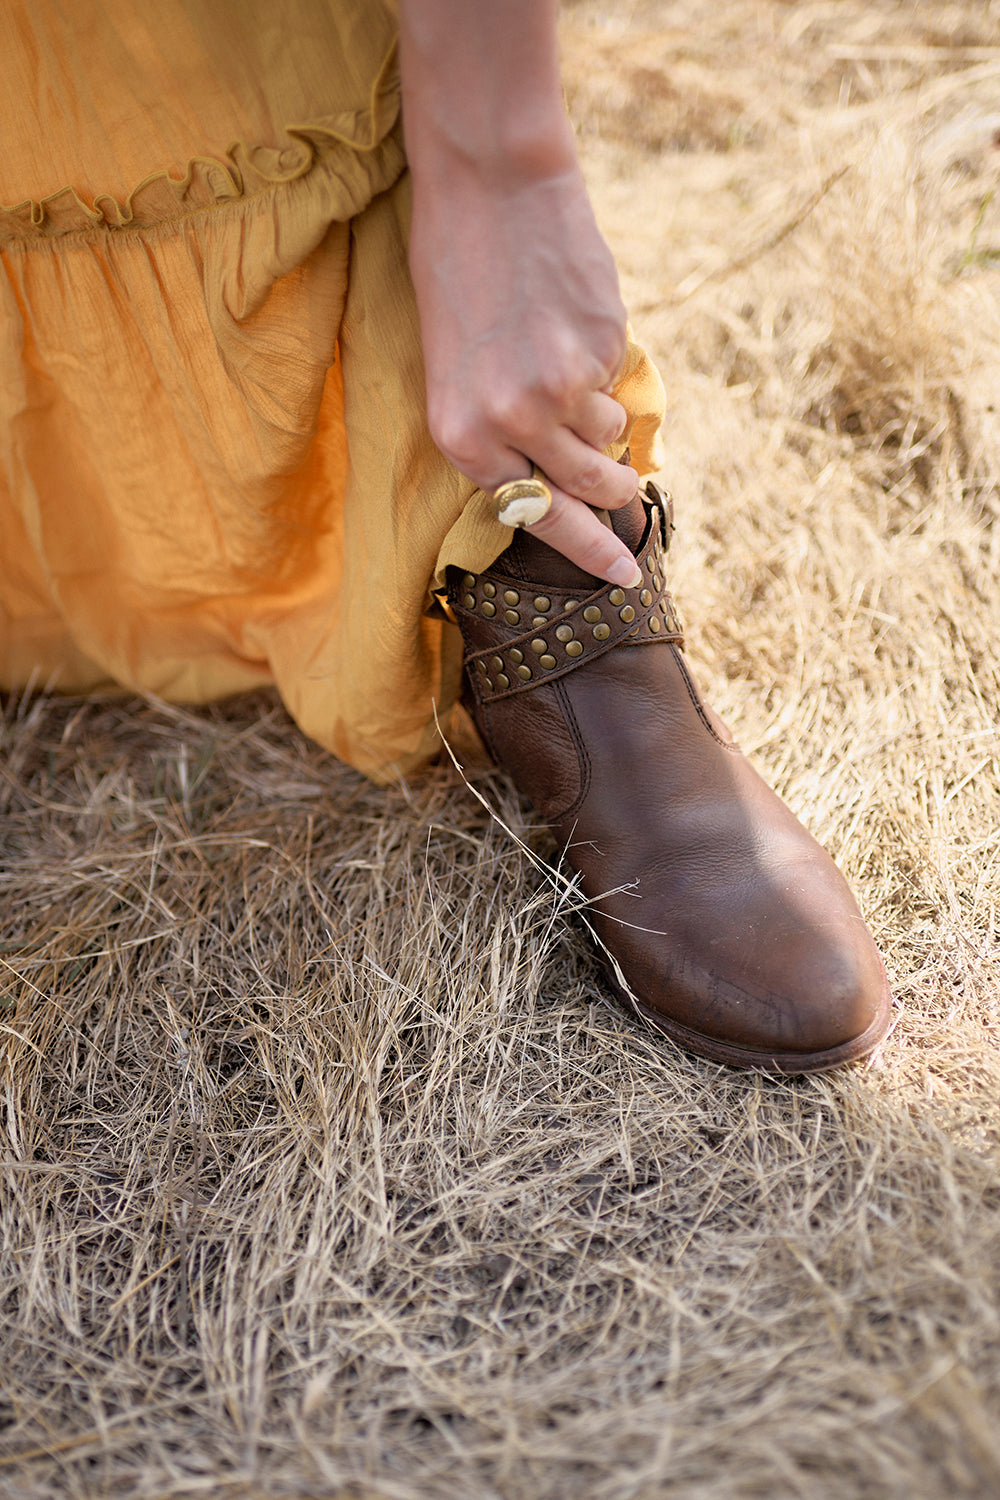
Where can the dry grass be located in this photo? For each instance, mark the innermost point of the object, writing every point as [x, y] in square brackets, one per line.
[328, 1171]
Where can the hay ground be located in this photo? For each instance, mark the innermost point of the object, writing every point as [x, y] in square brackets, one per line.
[328, 1169]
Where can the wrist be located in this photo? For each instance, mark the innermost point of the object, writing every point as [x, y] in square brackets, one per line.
[482, 96]
[509, 154]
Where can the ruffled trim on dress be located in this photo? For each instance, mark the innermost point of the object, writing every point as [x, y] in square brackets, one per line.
[208, 182]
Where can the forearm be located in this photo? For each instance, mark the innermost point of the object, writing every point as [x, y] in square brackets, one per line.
[521, 317]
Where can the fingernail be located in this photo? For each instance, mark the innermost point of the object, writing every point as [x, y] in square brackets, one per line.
[625, 573]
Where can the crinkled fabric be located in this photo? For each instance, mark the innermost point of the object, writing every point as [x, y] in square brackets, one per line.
[215, 470]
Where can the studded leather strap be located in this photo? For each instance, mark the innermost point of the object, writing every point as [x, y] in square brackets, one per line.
[542, 633]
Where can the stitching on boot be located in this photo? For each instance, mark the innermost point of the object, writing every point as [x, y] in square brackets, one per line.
[582, 753]
[699, 708]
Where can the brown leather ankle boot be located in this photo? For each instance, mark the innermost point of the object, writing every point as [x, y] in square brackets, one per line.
[723, 921]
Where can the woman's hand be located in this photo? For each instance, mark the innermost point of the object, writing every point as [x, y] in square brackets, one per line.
[522, 321]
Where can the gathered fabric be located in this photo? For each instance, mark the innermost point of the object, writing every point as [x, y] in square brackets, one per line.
[215, 469]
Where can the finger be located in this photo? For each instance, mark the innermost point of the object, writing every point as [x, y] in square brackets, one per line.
[582, 471]
[490, 466]
[598, 419]
[573, 529]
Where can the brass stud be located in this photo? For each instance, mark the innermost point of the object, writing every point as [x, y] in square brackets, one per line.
[539, 646]
[654, 624]
[627, 614]
[543, 603]
[511, 596]
[634, 630]
[617, 596]
[645, 598]
[516, 656]
[656, 583]
[488, 609]
[524, 673]
[538, 622]
[571, 604]
[512, 617]
[487, 685]
[592, 614]
[469, 601]
[490, 589]
[503, 681]
[574, 648]
[469, 581]
[651, 564]
[548, 662]
[601, 632]
[564, 632]
[482, 667]
[664, 607]
[496, 662]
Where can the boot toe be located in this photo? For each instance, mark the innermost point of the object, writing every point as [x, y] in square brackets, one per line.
[790, 1007]
[772, 968]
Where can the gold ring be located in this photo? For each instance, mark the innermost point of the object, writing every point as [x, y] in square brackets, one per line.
[522, 502]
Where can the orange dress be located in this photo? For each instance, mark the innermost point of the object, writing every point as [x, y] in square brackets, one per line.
[215, 470]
